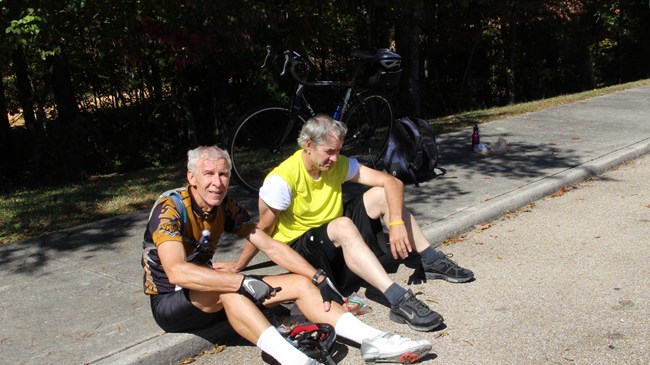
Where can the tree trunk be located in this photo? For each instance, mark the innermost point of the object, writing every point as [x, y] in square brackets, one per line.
[510, 59]
[26, 99]
[378, 28]
[156, 83]
[407, 32]
[6, 145]
[66, 104]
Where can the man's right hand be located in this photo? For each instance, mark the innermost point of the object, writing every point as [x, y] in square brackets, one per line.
[231, 266]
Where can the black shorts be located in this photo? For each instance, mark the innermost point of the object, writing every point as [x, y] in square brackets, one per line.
[317, 248]
[174, 312]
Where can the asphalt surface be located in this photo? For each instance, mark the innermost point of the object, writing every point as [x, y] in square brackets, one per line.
[560, 277]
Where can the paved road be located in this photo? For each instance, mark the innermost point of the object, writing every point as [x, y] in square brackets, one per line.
[564, 280]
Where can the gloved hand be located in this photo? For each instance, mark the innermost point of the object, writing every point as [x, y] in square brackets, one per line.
[256, 289]
[329, 292]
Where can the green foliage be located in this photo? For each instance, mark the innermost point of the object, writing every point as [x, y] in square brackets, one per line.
[151, 78]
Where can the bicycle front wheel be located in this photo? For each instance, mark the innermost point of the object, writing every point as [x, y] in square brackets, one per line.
[262, 139]
[369, 123]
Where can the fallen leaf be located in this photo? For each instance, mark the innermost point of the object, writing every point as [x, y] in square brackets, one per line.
[455, 239]
[215, 350]
[559, 193]
[441, 334]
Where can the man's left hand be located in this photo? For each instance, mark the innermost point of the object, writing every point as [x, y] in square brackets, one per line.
[400, 246]
[329, 293]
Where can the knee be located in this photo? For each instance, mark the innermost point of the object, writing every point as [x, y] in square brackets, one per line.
[376, 192]
[341, 225]
[375, 202]
[341, 230]
[303, 285]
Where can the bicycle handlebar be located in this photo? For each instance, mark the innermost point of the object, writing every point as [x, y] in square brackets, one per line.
[293, 59]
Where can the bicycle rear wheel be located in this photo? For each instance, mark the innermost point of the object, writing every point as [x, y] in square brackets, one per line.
[262, 139]
[369, 123]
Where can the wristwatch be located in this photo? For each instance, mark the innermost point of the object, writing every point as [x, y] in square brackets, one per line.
[317, 275]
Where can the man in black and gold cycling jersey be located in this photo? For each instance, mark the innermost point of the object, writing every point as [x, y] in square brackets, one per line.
[188, 293]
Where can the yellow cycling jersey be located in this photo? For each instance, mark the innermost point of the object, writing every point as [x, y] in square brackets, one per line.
[313, 202]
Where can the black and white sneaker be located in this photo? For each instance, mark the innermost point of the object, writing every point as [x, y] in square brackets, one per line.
[446, 269]
[415, 313]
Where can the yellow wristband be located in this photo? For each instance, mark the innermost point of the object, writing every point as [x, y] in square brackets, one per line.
[396, 223]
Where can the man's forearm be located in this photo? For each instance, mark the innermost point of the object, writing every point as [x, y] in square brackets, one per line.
[290, 260]
[247, 254]
[281, 253]
[395, 198]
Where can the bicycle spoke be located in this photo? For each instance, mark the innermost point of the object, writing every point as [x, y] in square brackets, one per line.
[369, 124]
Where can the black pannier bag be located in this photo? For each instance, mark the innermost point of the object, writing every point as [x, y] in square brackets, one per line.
[412, 152]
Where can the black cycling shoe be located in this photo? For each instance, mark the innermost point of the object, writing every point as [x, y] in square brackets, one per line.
[446, 269]
[415, 313]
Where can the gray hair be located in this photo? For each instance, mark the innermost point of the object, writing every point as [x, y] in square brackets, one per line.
[212, 153]
[319, 127]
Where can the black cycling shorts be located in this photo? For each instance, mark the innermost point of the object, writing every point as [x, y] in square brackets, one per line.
[317, 248]
[174, 312]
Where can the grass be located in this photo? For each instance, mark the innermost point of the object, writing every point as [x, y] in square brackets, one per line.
[462, 120]
[27, 213]
[34, 212]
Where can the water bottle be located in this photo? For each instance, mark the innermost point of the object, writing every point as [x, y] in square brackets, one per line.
[476, 138]
[205, 236]
[337, 112]
[201, 255]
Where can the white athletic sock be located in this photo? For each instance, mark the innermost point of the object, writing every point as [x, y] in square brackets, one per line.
[353, 329]
[280, 349]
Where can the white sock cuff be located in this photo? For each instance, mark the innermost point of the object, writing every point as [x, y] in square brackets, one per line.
[352, 328]
[272, 342]
[263, 336]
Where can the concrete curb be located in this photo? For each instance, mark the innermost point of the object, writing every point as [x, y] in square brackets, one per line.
[169, 348]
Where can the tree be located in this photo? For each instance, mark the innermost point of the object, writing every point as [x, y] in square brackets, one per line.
[6, 141]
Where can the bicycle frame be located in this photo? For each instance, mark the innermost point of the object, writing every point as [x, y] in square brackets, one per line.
[299, 103]
[366, 112]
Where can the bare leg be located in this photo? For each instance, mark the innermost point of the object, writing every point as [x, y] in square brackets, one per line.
[358, 256]
[244, 317]
[307, 297]
[377, 207]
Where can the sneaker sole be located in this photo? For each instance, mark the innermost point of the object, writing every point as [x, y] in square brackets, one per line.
[430, 275]
[396, 318]
[409, 357]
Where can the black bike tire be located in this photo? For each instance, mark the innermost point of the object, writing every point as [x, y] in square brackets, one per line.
[253, 139]
[376, 135]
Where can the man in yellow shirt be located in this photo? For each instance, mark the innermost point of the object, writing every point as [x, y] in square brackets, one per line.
[301, 204]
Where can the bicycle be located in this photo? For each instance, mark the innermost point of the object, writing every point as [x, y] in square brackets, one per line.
[266, 135]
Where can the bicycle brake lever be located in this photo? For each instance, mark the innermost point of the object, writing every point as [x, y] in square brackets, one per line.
[268, 53]
[286, 62]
